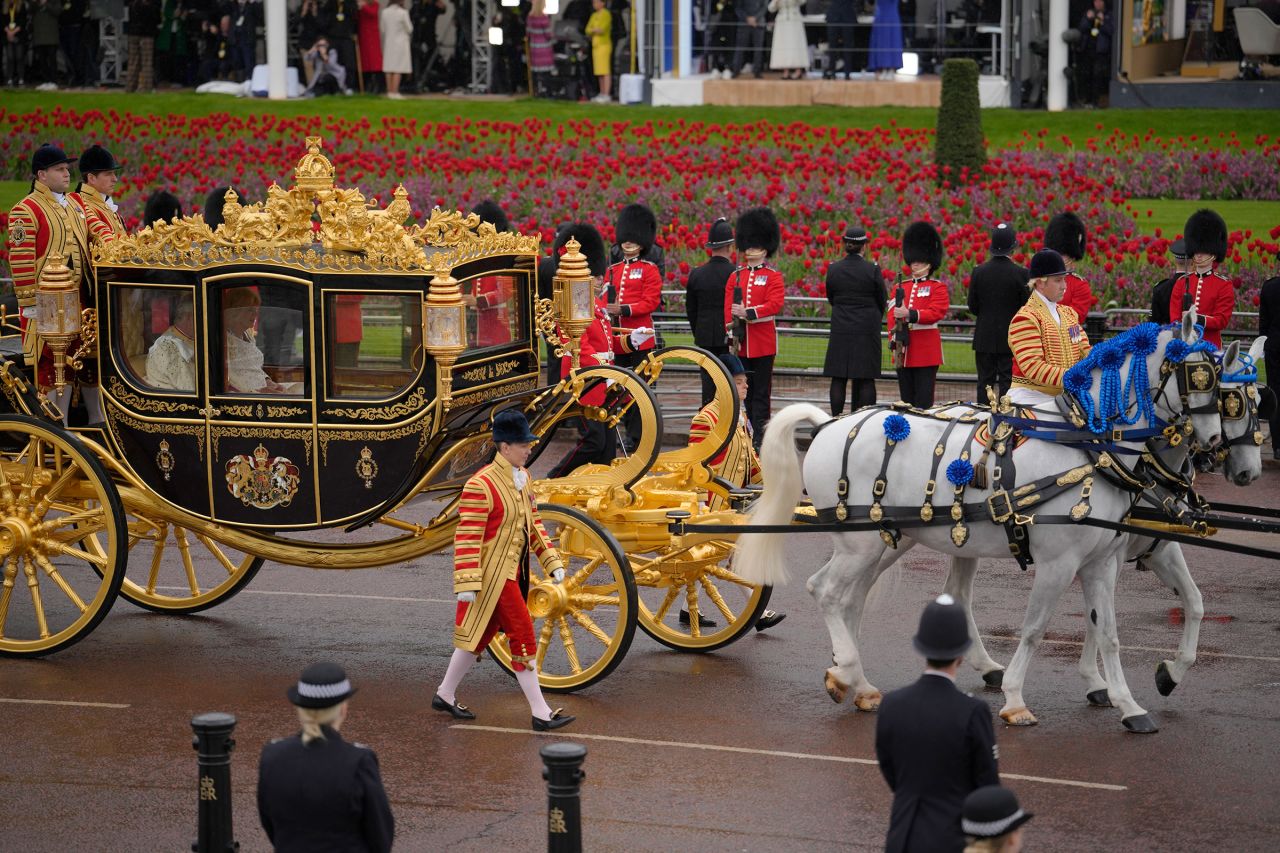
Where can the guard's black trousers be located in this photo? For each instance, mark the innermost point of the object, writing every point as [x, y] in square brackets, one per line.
[708, 387]
[759, 400]
[864, 394]
[915, 385]
[596, 443]
[1273, 370]
[994, 370]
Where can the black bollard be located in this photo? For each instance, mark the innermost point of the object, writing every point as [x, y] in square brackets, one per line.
[213, 744]
[564, 775]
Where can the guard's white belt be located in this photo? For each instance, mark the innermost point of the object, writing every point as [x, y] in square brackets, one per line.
[324, 691]
[915, 327]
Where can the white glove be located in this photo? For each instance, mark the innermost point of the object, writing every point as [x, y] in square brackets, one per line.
[558, 574]
[639, 336]
[467, 597]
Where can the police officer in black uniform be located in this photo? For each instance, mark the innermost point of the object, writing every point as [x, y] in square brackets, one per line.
[997, 289]
[1269, 325]
[704, 297]
[935, 744]
[1163, 292]
[315, 790]
[856, 291]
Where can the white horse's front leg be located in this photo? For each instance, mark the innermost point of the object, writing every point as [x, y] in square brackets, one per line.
[840, 588]
[1170, 566]
[1099, 581]
[959, 585]
[1052, 578]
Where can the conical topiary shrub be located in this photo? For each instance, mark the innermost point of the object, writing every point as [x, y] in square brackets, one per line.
[960, 142]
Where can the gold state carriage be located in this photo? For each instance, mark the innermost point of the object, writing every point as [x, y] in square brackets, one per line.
[311, 383]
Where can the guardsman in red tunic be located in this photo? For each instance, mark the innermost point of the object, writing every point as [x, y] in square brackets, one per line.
[45, 223]
[1204, 289]
[633, 290]
[1045, 336]
[493, 294]
[753, 297]
[498, 525]
[925, 302]
[1066, 235]
[600, 344]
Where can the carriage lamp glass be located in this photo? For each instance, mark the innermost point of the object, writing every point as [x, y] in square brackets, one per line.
[581, 299]
[444, 326]
[495, 36]
[57, 301]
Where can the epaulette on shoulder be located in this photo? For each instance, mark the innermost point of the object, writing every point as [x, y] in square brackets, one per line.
[363, 746]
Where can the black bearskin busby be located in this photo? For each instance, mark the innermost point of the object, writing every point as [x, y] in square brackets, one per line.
[1205, 232]
[213, 206]
[636, 224]
[162, 206]
[1065, 234]
[592, 245]
[489, 211]
[758, 229]
[921, 243]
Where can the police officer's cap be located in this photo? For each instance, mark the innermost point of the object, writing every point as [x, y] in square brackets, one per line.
[47, 156]
[944, 630]
[322, 685]
[720, 235]
[1179, 249]
[511, 427]
[1003, 239]
[992, 811]
[1047, 262]
[97, 159]
[855, 234]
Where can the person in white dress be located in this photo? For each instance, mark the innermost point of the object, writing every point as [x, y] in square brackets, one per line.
[790, 53]
[397, 52]
[171, 361]
[244, 359]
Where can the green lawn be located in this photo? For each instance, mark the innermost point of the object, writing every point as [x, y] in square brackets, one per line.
[11, 192]
[1169, 215]
[810, 353]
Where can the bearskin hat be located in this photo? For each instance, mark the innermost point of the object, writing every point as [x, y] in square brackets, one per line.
[636, 224]
[213, 207]
[489, 211]
[162, 206]
[1065, 234]
[921, 243]
[758, 229]
[592, 245]
[1205, 232]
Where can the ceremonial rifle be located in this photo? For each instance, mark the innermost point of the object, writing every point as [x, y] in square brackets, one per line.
[738, 331]
[901, 329]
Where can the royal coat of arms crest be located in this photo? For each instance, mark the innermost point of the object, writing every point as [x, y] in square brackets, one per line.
[263, 480]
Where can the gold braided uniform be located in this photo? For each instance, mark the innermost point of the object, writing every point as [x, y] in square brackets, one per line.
[1044, 348]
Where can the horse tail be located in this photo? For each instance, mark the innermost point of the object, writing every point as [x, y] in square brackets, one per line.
[759, 556]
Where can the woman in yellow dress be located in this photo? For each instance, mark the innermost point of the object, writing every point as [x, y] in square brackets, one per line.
[600, 30]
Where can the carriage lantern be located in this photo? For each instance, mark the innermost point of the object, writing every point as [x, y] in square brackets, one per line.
[446, 330]
[58, 313]
[575, 301]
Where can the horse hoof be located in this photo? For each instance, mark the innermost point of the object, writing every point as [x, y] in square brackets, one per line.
[993, 679]
[1099, 698]
[1141, 724]
[1164, 680]
[1018, 717]
[836, 688]
[867, 701]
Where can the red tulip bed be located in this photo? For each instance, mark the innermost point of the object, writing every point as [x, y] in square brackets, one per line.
[817, 180]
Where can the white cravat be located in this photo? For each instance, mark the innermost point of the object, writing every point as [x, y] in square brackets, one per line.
[60, 197]
[1053, 308]
[520, 477]
[115, 208]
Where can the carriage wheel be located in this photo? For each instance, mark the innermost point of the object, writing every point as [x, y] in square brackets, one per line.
[681, 587]
[55, 496]
[175, 570]
[585, 625]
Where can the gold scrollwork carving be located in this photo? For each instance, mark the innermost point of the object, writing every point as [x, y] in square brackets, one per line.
[305, 435]
[143, 404]
[416, 401]
[196, 431]
[490, 393]
[328, 435]
[494, 370]
[239, 411]
[285, 411]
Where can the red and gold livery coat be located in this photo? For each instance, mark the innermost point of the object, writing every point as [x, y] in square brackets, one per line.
[102, 223]
[599, 345]
[498, 524]
[928, 301]
[1043, 348]
[1078, 296]
[494, 294]
[738, 462]
[638, 291]
[1214, 298]
[763, 295]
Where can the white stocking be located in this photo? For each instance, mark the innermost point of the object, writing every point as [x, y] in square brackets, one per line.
[527, 678]
[459, 665]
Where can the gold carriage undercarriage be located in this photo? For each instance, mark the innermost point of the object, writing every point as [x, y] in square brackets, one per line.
[311, 383]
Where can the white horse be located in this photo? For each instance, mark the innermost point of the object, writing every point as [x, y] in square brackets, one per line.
[1062, 551]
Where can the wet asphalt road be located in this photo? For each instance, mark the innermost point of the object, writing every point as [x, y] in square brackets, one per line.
[123, 778]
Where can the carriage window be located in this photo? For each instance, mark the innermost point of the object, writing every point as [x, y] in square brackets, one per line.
[156, 336]
[374, 343]
[493, 317]
[263, 337]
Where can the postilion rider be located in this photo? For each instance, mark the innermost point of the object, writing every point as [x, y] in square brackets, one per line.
[1046, 337]
[498, 526]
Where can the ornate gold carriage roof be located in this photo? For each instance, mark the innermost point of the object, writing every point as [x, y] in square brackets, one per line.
[318, 227]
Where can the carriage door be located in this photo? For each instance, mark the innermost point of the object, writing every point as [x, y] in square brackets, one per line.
[261, 400]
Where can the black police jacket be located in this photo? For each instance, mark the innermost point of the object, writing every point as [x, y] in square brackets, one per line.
[704, 301]
[997, 289]
[859, 300]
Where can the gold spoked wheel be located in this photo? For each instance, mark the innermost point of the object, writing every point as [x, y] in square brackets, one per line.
[54, 497]
[682, 589]
[585, 625]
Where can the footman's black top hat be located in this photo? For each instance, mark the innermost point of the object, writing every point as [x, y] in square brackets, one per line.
[1047, 262]
[1003, 239]
[992, 811]
[47, 156]
[721, 234]
[322, 685]
[511, 427]
[733, 364]
[944, 630]
[97, 159]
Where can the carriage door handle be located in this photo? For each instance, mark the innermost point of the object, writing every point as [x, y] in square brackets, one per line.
[211, 412]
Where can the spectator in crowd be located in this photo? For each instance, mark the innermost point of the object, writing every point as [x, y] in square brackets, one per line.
[600, 31]
[214, 49]
[1164, 290]
[44, 42]
[750, 36]
[790, 51]
[423, 14]
[1096, 31]
[841, 18]
[934, 742]
[542, 59]
[342, 17]
[141, 28]
[369, 38]
[172, 49]
[245, 19]
[855, 289]
[992, 820]
[70, 28]
[997, 289]
[1269, 325]
[722, 36]
[886, 40]
[311, 25]
[17, 36]
[326, 75]
[397, 52]
[315, 790]
[704, 298]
